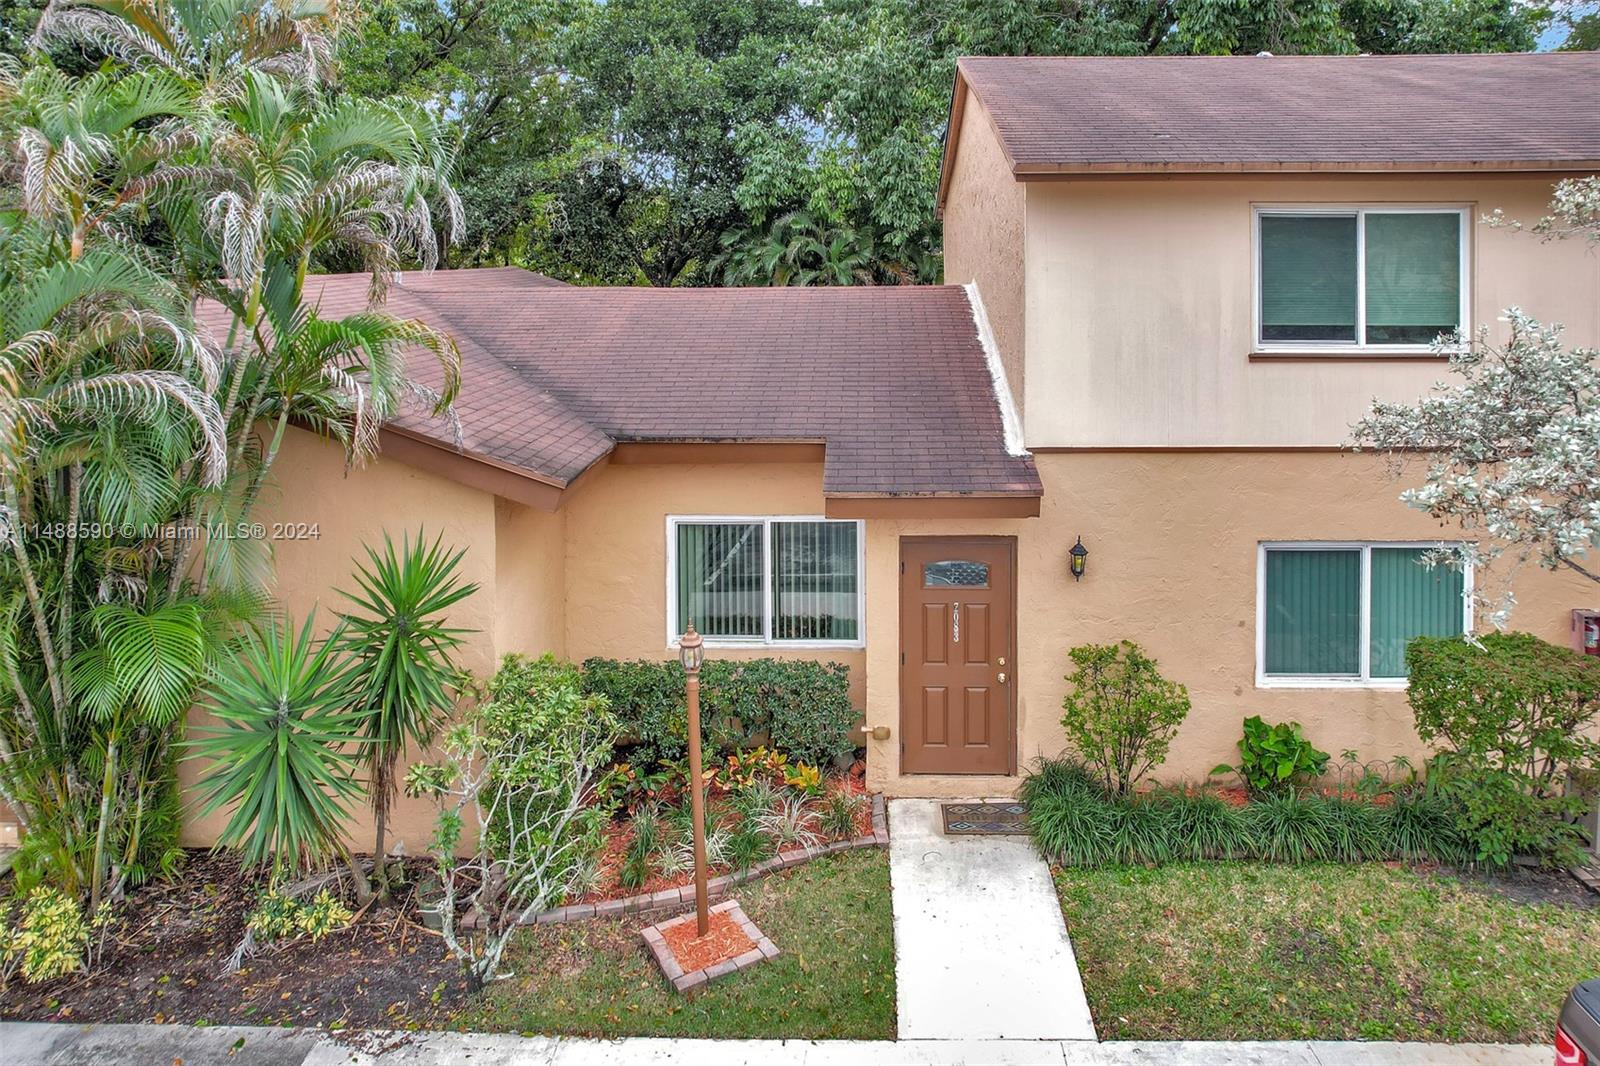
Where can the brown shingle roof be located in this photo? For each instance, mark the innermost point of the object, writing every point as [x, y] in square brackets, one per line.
[1265, 113]
[894, 381]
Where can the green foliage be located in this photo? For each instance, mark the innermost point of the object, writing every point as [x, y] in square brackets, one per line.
[283, 753]
[1076, 822]
[1515, 715]
[1288, 826]
[1274, 758]
[525, 767]
[1203, 826]
[277, 916]
[770, 142]
[401, 656]
[50, 939]
[799, 706]
[1121, 713]
[1422, 825]
[642, 846]
[840, 813]
[209, 163]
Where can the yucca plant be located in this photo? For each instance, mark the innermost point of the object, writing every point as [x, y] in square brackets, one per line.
[401, 658]
[284, 753]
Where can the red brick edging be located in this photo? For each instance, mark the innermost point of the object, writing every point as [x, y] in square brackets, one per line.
[717, 886]
[687, 982]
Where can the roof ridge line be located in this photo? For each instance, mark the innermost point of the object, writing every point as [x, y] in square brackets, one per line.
[1010, 417]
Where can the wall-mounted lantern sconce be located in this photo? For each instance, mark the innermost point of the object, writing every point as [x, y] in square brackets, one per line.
[1079, 555]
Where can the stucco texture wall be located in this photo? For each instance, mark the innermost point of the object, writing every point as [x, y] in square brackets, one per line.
[589, 579]
[1173, 540]
[984, 239]
[1140, 323]
[310, 485]
[616, 564]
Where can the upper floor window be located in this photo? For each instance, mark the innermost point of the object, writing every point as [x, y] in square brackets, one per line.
[761, 580]
[1379, 279]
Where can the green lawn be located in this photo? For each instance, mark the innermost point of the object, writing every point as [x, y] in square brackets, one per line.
[1230, 951]
[830, 918]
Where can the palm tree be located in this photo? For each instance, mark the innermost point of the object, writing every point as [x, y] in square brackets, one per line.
[211, 43]
[211, 164]
[401, 653]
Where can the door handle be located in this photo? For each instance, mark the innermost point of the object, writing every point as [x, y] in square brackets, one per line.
[1002, 677]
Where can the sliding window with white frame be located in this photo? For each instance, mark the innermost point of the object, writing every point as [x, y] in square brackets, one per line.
[1359, 280]
[760, 580]
[1334, 614]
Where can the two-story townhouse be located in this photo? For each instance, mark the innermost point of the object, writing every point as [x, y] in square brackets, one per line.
[1199, 272]
[1173, 284]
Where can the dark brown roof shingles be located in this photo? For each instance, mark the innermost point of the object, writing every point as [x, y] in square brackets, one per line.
[1265, 112]
[894, 381]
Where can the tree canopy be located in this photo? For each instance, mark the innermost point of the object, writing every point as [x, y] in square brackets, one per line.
[703, 142]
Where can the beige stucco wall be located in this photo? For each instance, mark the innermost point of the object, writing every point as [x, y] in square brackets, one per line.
[310, 485]
[983, 235]
[1172, 539]
[589, 579]
[530, 580]
[1139, 317]
[616, 566]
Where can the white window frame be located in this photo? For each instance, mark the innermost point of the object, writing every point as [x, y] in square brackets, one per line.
[1359, 212]
[1364, 680]
[766, 640]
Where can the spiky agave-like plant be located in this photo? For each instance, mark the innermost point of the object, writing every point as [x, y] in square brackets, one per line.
[401, 651]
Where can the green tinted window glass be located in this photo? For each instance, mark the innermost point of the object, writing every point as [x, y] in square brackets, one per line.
[814, 581]
[1413, 276]
[1410, 600]
[1313, 612]
[1308, 278]
[720, 578]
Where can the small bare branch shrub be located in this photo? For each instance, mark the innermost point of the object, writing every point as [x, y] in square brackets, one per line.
[520, 772]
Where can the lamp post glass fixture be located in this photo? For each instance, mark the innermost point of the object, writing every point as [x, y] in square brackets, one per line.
[692, 652]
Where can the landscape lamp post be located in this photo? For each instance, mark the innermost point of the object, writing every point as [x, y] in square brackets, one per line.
[691, 652]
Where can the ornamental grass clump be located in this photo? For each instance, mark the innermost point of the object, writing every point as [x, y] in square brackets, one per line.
[1075, 822]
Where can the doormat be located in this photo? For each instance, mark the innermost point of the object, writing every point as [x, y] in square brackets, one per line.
[985, 818]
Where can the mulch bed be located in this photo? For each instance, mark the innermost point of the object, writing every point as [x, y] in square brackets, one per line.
[172, 941]
[619, 834]
[725, 939]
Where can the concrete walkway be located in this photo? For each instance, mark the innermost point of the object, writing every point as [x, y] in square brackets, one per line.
[40, 1044]
[980, 950]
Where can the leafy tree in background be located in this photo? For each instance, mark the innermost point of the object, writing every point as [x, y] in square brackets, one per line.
[1509, 443]
[673, 142]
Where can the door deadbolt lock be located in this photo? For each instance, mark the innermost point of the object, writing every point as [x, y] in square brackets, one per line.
[1000, 661]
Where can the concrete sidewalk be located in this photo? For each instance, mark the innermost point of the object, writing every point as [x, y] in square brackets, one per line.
[980, 948]
[41, 1044]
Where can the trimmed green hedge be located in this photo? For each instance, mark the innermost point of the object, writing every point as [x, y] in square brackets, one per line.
[1076, 823]
[1515, 717]
[798, 706]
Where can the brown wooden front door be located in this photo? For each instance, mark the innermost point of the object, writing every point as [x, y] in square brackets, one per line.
[957, 655]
